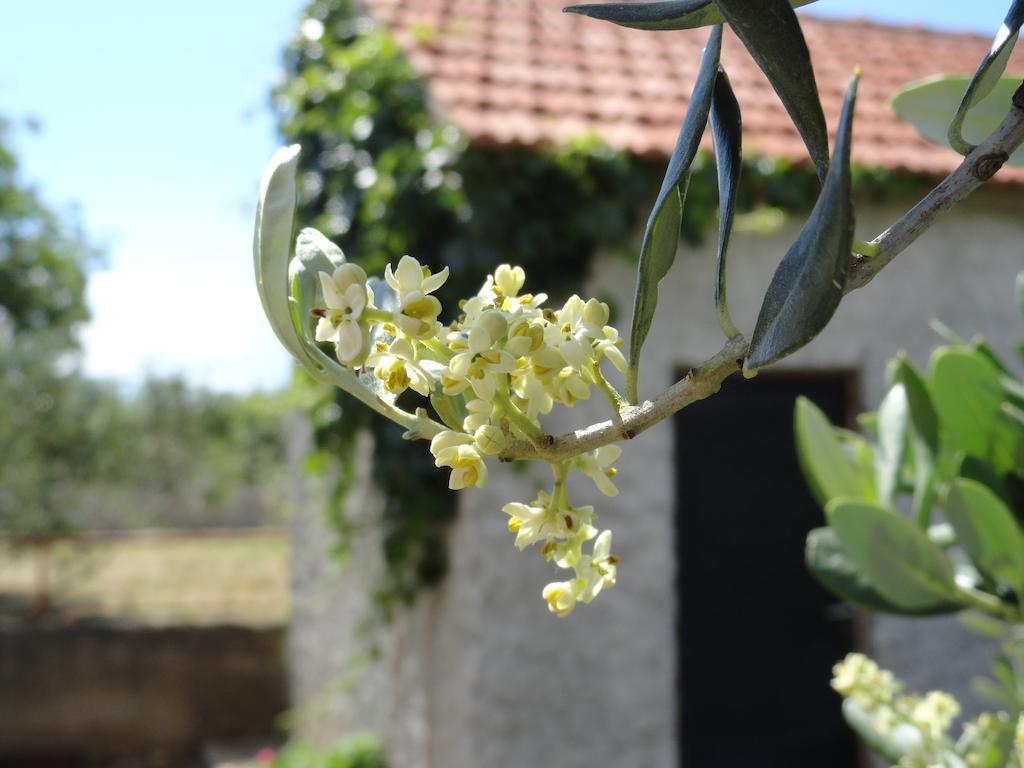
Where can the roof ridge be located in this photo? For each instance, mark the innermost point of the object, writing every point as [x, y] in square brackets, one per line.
[811, 14]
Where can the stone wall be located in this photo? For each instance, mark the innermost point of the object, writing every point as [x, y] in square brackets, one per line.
[68, 694]
[478, 674]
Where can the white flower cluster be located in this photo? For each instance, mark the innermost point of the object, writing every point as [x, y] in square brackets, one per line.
[504, 362]
[917, 727]
[564, 529]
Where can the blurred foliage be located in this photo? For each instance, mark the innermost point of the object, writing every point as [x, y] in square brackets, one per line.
[77, 453]
[383, 176]
[356, 752]
[80, 453]
[43, 262]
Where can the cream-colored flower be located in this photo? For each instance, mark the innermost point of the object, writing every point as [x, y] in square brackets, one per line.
[412, 277]
[569, 386]
[597, 570]
[480, 358]
[456, 450]
[346, 295]
[597, 465]
[418, 311]
[561, 597]
[395, 366]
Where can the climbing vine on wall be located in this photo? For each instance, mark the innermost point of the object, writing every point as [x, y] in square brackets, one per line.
[383, 176]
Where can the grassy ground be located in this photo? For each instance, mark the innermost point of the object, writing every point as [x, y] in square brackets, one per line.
[234, 578]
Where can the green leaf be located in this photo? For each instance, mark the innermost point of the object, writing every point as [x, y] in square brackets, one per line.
[830, 470]
[661, 238]
[727, 132]
[893, 420]
[667, 15]
[809, 282]
[987, 75]
[988, 532]
[968, 398]
[897, 558]
[771, 32]
[272, 243]
[836, 572]
[923, 429]
[928, 104]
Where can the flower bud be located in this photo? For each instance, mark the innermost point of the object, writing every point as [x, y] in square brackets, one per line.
[490, 440]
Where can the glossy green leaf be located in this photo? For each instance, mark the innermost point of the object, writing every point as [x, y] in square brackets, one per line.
[928, 105]
[987, 75]
[665, 15]
[968, 398]
[987, 531]
[923, 431]
[809, 282]
[894, 555]
[893, 419]
[661, 238]
[836, 572]
[272, 243]
[771, 32]
[829, 469]
[727, 132]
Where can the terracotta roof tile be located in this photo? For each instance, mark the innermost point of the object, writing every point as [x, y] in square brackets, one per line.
[522, 72]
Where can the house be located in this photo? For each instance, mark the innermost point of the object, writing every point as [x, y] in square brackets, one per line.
[714, 648]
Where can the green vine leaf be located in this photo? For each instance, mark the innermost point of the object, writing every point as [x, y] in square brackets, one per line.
[987, 75]
[658, 16]
[771, 32]
[809, 282]
[661, 238]
[727, 133]
[894, 555]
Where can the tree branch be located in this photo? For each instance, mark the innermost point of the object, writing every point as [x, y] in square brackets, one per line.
[977, 167]
[634, 419]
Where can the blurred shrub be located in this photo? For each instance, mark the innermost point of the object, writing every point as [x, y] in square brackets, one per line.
[357, 752]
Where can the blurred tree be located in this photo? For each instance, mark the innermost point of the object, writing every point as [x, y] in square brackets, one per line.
[43, 263]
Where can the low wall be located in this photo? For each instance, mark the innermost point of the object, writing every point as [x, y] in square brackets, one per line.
[105, 691]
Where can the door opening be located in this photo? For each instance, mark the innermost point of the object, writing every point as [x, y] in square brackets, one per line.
[757, 635]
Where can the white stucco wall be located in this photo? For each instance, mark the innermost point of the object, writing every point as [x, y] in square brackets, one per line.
[480, 675]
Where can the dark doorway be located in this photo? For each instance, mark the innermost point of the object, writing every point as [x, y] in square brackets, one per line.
[758, 636]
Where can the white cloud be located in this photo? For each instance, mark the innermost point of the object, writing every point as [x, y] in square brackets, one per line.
[171, 308]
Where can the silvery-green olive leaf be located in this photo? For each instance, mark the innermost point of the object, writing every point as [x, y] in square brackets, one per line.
[809, 282]
[661, 237]
[987, 75]
[727, 133]
[771, 32]
[664, 15]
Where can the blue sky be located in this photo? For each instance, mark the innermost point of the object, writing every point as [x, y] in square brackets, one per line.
[155, 127]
